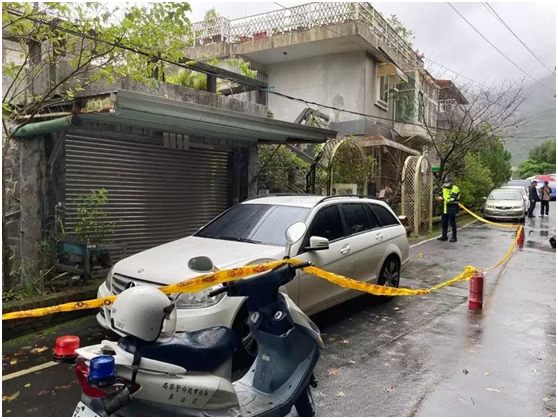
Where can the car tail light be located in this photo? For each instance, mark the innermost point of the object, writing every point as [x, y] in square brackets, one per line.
[89, 385]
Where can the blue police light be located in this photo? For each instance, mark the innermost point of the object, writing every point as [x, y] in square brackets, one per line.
[102, 371]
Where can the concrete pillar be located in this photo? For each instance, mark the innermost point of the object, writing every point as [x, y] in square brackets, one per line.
[211, 84]
[32, 188]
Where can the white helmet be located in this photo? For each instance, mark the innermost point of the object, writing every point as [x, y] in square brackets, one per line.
[139, 312]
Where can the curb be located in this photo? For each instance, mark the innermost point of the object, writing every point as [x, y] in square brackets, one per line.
[19, 327]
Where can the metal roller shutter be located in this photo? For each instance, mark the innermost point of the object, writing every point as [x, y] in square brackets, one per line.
[156, 194]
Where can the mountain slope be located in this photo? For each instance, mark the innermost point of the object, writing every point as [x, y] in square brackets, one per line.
[540, 123]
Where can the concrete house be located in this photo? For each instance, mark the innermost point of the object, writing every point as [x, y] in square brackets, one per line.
[171, 158]
[342, 55]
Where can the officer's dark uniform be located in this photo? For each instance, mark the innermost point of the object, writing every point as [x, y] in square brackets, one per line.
[450, 197]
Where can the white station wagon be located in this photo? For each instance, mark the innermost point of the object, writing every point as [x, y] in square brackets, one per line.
[356, 237]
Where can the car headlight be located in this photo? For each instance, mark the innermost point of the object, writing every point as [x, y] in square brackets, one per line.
[108, 281]
[198, 299]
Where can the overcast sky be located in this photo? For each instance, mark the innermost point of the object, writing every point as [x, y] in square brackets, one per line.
[445, 38]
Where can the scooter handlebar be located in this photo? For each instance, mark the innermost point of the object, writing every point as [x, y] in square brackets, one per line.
[301, 265]
[228, 286]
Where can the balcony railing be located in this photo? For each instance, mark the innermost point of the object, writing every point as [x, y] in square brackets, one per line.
[302, 18]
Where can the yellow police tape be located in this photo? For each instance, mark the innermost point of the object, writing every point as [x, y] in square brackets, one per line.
[202, 282]
[478, 217]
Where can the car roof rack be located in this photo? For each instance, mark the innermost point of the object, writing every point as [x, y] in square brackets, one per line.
[278, 194]
[344, 196]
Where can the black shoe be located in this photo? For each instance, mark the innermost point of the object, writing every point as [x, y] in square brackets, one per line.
[453, 240]
[442, 239]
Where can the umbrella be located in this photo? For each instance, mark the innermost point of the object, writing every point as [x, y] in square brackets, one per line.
[545, 178]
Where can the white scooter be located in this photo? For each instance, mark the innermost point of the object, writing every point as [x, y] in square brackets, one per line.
[189, 374]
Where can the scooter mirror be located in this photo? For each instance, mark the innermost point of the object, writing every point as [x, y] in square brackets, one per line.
[201, 264]
[293, 234]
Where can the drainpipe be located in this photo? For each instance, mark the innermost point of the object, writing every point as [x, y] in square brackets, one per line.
[45, 127]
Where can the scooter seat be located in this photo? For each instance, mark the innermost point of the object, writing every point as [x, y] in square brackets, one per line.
[202, 350]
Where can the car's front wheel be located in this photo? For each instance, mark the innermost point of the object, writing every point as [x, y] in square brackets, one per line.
[390, 273]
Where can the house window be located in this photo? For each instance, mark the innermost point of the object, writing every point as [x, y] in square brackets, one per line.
[383, 93]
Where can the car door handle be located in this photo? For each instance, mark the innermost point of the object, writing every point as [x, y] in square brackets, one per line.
[345, 249]
[379, 236]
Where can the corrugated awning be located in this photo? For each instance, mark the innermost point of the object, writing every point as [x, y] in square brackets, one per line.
[152, 112]
[382, 141]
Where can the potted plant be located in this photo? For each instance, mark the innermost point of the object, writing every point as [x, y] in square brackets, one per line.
[260, 35]
[92, 227]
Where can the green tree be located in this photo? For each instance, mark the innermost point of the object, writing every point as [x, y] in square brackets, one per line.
[498, 160]
[475, 182]
[198, 81]
[407, 34]
[542, 160]
[210, 14]
[545, 153]
[84, 43]
[92, 224]
[530, 168]
[472, 126]
[279, 167]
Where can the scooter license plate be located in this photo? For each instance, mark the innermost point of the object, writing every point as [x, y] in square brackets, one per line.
[83, 411]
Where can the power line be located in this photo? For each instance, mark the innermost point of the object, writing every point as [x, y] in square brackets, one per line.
[501, 53]
[211, 71]
[491, 9]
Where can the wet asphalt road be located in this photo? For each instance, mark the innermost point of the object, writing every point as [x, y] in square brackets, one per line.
[411, 356]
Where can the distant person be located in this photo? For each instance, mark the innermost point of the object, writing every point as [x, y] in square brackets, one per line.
[545, 199]
[533, 198]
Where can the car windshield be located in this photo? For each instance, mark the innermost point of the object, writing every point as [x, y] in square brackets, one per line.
[255, 223]
[519, 189]
[505, 196]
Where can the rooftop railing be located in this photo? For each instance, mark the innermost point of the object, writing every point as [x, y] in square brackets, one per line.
[302, 18]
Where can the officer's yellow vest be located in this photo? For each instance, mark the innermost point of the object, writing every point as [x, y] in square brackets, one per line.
[451, 196]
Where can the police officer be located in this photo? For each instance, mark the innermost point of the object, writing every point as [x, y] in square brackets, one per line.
[450, 198]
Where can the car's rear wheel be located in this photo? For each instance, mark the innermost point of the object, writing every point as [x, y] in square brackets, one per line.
[390, 273]
[247, 347]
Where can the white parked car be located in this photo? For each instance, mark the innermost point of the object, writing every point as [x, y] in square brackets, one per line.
[356, 237]
[505, 204]
[523, 191]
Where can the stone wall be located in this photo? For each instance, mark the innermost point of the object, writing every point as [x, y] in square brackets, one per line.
[24, 187]
[182, 93]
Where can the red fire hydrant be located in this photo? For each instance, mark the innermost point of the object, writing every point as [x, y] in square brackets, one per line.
[521, 236]
[476, 291]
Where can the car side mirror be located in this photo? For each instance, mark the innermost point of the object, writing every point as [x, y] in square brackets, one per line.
[293, 234]
[484, 198]
[318, 243]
